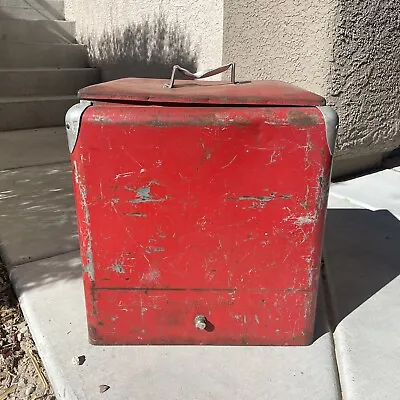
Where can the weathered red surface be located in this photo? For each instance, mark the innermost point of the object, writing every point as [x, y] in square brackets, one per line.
[203, 92]
[187, 211]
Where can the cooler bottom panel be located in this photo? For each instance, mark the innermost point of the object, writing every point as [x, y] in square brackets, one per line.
[132, 316]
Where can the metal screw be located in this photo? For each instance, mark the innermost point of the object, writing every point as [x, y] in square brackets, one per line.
[200, 322]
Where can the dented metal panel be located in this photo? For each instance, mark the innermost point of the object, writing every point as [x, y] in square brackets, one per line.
[201, 225]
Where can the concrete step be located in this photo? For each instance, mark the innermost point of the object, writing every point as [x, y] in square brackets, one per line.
[51, 297]
[30, 147]
[33, 112]
[32, 9]
[361, 250]
[46, 82]
[37, 213]
[43, 31]
[45, 55]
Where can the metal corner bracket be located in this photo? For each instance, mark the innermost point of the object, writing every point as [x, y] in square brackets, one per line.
[73, 122]
[331, 125]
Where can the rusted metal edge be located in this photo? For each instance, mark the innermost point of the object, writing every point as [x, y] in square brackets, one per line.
[73, 122]
[331, 125]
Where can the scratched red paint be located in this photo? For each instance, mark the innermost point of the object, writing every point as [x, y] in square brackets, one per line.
[214, 211]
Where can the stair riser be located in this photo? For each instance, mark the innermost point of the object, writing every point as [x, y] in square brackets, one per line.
[33, 147]
[34, 114]
[24, 55]
[37, 31]
[42, 83]
[34, 10]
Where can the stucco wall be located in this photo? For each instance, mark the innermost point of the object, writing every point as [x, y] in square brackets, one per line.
[280, 39]
[145, 38]
[344, 50]
[364, 82]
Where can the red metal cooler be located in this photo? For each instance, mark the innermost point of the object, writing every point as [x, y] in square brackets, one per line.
[201, 209]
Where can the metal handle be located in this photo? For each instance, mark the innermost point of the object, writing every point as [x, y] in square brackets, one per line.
[201, 74]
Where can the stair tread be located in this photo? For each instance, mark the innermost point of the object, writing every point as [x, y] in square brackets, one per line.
[22, 99]
[44, 44]
[39, 69]
[60, 128]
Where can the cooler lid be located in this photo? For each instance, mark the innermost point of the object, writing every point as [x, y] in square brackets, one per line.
[261, 93]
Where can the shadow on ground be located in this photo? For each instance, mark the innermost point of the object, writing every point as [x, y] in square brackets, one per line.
[37, 213]
[362, 256]
[147, 49]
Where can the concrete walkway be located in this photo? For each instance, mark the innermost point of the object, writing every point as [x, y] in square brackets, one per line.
[356, 355]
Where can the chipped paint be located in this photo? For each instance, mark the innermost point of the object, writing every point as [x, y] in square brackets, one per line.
[206, 152]
[124, 175]
[89, 267]
[151, 276]
[144, 195]
[260, 201]
[151, 249]
[101, 119]
[117, 267]
[305, 219]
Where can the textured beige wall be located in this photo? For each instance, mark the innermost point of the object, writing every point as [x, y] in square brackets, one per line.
[145, 38]
[345, 50]
[365, 75]
[281, 39]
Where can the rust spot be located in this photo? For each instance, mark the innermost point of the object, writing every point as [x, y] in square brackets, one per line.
[135, 214]
[169, 121]
[304, 204]
[299, 118]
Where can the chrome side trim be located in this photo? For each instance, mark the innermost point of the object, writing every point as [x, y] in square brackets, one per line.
[73, 122]
[331, 125]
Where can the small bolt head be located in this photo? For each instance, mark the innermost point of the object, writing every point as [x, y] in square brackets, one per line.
[200, 322]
